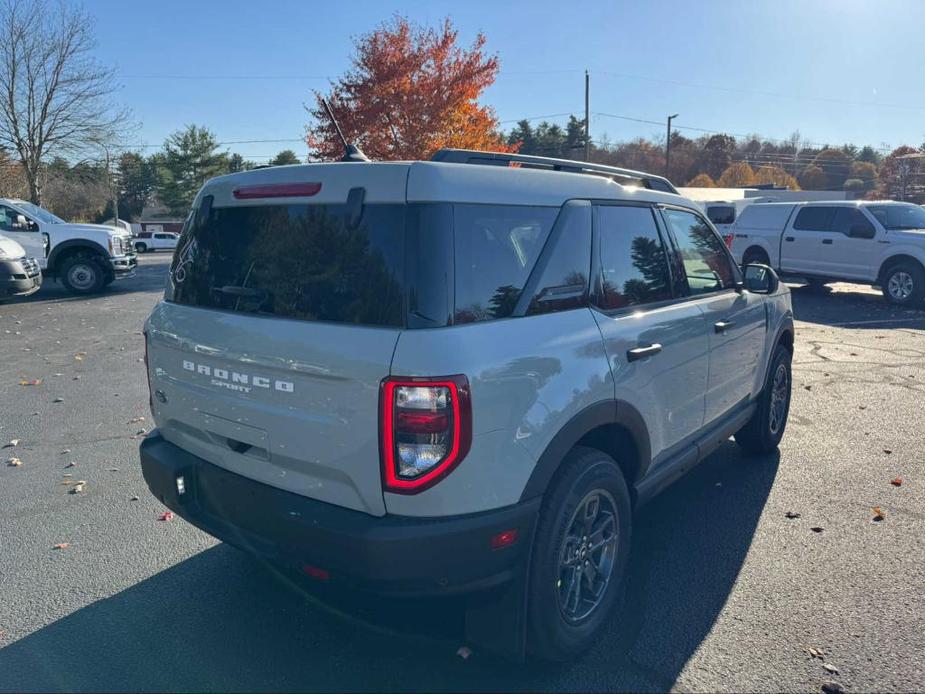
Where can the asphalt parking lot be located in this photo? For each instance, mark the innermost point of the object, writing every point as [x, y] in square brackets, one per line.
[726, 593]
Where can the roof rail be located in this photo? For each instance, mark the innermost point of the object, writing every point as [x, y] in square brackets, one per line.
[528, 161]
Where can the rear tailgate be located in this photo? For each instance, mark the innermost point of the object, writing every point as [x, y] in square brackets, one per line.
[279, 324]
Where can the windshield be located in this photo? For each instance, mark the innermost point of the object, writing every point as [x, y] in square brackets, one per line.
[39, 213]
[902, 216]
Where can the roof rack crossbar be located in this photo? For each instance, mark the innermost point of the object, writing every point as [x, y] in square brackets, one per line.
[471, 156]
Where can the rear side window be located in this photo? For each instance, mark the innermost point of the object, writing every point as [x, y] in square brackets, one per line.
[305, 262]
[721, 214]
[847, 217]
[496, 248]
[814, 219]
[563, 279]
[634, 264]
[703, 254]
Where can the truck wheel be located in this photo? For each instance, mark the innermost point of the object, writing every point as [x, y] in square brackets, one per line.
[82, 274]
[755, 255]
[903, 284]
[765, 429]
[141, 247]
[580, 554]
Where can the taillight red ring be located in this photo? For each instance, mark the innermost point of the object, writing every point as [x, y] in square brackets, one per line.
[458, 387]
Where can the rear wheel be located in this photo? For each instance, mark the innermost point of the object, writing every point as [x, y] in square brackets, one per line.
[82, 274]
[755, 255]
[582, 546]
[765, 429]
[903, 284]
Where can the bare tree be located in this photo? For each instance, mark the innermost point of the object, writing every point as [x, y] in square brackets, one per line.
[54, 94]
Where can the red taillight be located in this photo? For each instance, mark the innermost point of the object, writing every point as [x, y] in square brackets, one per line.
[425, 430]
[315, 572]
[277, 190]
[728, 239]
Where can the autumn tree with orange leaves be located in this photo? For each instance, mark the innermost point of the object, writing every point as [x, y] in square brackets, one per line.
[411, 91]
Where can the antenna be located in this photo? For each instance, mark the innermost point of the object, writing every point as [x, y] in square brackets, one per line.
[351, 152]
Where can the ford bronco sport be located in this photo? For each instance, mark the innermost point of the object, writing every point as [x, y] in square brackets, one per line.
[432, 378]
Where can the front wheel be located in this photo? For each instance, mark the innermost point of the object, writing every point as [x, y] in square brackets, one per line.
[82, 274]
[582, 547]
[140, 247]
[765, 429]
[904, 284]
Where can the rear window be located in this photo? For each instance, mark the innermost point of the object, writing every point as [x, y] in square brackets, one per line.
[721, 214]
[496, 249]
[305, 262]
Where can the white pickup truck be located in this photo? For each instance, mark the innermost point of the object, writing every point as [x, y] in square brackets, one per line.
[84, 257]
[877, 243]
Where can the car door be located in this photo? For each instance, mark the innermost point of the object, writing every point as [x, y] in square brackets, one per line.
[801, 245]
[849, 247]
[28, 235]
[656, 343]
[736, 319]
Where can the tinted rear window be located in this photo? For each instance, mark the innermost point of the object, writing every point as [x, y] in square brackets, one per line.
[814, 219]
[496, 249]
[721, 214]
[304, 262]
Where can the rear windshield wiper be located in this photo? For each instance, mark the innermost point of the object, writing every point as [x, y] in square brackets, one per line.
[241, 292]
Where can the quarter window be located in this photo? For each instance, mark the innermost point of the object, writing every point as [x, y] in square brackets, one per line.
[634, 264]
[706, 262]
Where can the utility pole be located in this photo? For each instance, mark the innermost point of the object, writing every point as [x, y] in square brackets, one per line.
[587, 117]
[668, 144]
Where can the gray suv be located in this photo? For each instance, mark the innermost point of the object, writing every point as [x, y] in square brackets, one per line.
[451, 377]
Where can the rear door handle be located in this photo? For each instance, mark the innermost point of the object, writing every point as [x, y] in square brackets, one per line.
[643, 352]
[827, 242]
[788, 238]
[723, 325]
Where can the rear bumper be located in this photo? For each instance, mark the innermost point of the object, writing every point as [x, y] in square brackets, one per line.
[19, 277]
[396, 555]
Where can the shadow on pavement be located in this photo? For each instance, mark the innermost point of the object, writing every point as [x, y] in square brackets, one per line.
[852, 306]
[150, 276]
[223, 621]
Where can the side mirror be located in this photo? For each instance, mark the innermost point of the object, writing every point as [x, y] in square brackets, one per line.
[861, 231]
[761, 279]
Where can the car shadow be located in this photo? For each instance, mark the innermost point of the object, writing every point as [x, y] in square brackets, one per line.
[852, 306]
[150, 276]
[223, 621]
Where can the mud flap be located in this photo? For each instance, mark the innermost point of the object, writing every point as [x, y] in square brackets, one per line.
[496, 621]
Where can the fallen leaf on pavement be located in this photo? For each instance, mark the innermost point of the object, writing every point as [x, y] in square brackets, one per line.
[830, 668]
[70, 464]
[80, 356]
[62, 545]
[166, 516]
[829, 687]
[791, 514]
[808, 387]
[879, 514]
[134, 498]
[897, 481]
[815, 653]
[12, 444]
[136, 420]
[31, 382]
[887, 451]
[817, 529]
[65, 451]
[78, 487]
[58, 399]
[14, 462]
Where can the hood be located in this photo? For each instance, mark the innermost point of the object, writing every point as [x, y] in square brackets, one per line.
[98, 229]
[10, 249]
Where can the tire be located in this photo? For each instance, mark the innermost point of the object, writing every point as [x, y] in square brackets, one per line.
[755, 255]
[141, 247]
[587, 479]
[82, 274]
[903, 284]
[765, 429]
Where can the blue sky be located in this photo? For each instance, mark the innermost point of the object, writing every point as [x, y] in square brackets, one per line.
[836, 70]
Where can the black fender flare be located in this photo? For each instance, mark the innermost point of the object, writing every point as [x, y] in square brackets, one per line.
[74, 243]
[593, 416]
